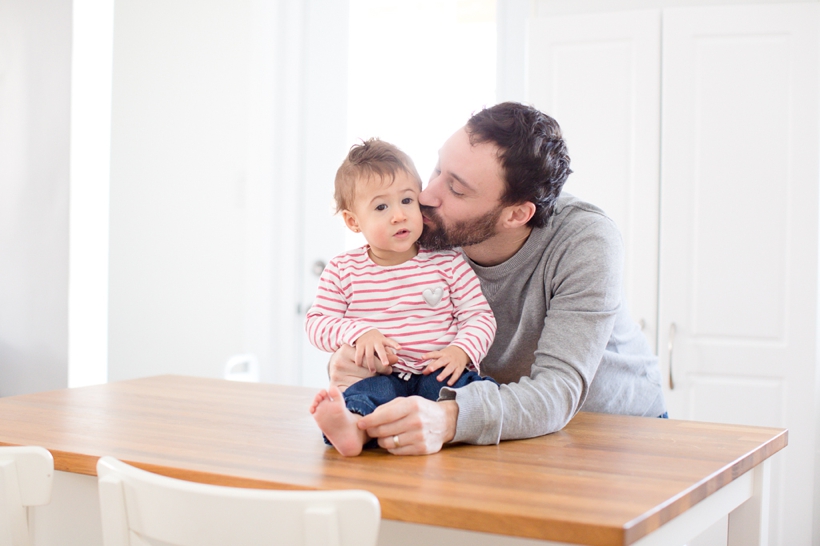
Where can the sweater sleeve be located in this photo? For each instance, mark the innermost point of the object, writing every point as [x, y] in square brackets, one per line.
[476, 323]
[583, 297]
[325, 323]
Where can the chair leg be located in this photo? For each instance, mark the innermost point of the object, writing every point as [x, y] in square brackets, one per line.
[13, 516]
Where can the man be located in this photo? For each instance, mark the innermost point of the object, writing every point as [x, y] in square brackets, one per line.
[551, 267]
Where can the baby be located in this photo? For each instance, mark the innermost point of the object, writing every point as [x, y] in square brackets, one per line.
[391, 295]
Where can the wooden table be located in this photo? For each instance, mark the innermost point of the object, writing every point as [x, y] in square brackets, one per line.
[604, 480]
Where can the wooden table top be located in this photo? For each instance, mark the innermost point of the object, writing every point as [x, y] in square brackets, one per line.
[603, 480]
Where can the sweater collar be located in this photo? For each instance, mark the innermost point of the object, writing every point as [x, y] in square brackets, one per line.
[531, 250]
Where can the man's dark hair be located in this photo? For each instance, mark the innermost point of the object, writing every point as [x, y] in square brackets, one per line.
[532, 152]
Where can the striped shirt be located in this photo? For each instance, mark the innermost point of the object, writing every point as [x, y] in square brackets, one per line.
[425, 304]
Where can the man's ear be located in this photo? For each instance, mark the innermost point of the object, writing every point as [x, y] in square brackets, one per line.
[518, 215]
[350, 221]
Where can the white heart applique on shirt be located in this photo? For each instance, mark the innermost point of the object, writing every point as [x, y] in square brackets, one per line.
[432, 297]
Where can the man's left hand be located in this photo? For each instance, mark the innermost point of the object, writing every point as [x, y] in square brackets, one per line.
[412, 425]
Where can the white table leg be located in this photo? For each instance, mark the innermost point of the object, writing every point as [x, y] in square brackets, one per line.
[749, 522]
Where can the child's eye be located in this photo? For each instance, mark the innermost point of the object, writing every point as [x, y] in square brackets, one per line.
[381, 207]
[406, 200]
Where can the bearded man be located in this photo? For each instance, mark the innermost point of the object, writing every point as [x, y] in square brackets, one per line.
[551, 267]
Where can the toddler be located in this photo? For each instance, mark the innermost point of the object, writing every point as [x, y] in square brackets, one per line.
[390, 295]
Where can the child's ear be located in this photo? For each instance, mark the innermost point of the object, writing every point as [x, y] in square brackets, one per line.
[350, 221]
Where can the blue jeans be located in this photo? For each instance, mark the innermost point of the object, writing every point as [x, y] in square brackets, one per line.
[364, 396]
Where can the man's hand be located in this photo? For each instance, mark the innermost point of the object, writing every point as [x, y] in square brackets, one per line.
[452, 358]
[413, 425]
[371, 347]
[343, 371]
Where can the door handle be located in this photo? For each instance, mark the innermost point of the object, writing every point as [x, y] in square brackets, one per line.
[317, 267]
[672, 331]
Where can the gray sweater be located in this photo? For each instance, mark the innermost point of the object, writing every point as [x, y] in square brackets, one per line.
[565, 340]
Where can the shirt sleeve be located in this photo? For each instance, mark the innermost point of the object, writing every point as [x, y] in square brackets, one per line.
[584, 296]
[475, 320]
[325, 322]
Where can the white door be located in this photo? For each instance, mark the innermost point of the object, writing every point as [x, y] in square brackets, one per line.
[325, 124]
[297, 139]
[739, 231]
[599, 77]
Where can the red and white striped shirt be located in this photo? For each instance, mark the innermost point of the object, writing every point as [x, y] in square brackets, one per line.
[425, 304]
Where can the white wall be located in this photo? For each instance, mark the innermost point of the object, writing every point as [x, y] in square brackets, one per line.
[35, 68]
[178, 150]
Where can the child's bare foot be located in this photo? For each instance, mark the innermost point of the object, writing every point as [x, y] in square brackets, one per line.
[338, 424]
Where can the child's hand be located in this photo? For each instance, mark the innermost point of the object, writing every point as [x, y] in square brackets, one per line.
[370, 345]
[453, 359]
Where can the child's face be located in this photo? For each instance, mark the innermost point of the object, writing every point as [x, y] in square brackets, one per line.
[388, 216]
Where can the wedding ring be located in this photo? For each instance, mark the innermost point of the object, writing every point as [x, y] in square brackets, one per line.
[396, 441]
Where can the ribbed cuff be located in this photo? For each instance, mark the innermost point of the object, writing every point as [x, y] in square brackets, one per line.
[473, 425]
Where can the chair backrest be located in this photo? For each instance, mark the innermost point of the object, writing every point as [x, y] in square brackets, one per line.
[140, 508]
[26, 474]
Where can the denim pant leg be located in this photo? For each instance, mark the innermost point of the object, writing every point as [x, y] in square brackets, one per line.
[364, 396]
[429, 386]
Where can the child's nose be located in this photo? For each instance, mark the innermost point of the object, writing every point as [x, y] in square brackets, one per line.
[398, 216]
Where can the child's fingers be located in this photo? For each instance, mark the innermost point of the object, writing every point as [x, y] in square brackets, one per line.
[369, 358]
[381, 352]
[445, 373]
[435, 365]
[432, 355]
[392, 343]
[453, 371]
[455, 375]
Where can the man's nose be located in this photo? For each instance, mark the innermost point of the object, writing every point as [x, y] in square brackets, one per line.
[428, 196]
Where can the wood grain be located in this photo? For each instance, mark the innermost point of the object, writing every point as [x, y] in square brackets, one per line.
[604, 480]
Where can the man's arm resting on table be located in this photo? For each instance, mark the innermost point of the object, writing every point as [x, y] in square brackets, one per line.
[583, 297]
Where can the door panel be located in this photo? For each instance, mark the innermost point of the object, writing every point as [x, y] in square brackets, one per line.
[599, 76]
[321, 231]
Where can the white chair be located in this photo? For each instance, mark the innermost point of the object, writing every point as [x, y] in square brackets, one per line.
[142, 508]
[26, 474]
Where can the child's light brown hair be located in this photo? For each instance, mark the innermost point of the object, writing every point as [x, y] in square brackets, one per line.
[372, 158]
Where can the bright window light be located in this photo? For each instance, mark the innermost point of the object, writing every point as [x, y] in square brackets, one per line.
[91, 73]
[418, 70]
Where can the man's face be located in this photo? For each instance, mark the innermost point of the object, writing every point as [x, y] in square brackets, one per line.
[462, 202]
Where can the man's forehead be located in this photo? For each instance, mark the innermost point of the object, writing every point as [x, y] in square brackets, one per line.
[460, 143]
[470, 163]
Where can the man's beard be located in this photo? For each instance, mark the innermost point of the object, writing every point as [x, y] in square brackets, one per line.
[464, 233]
